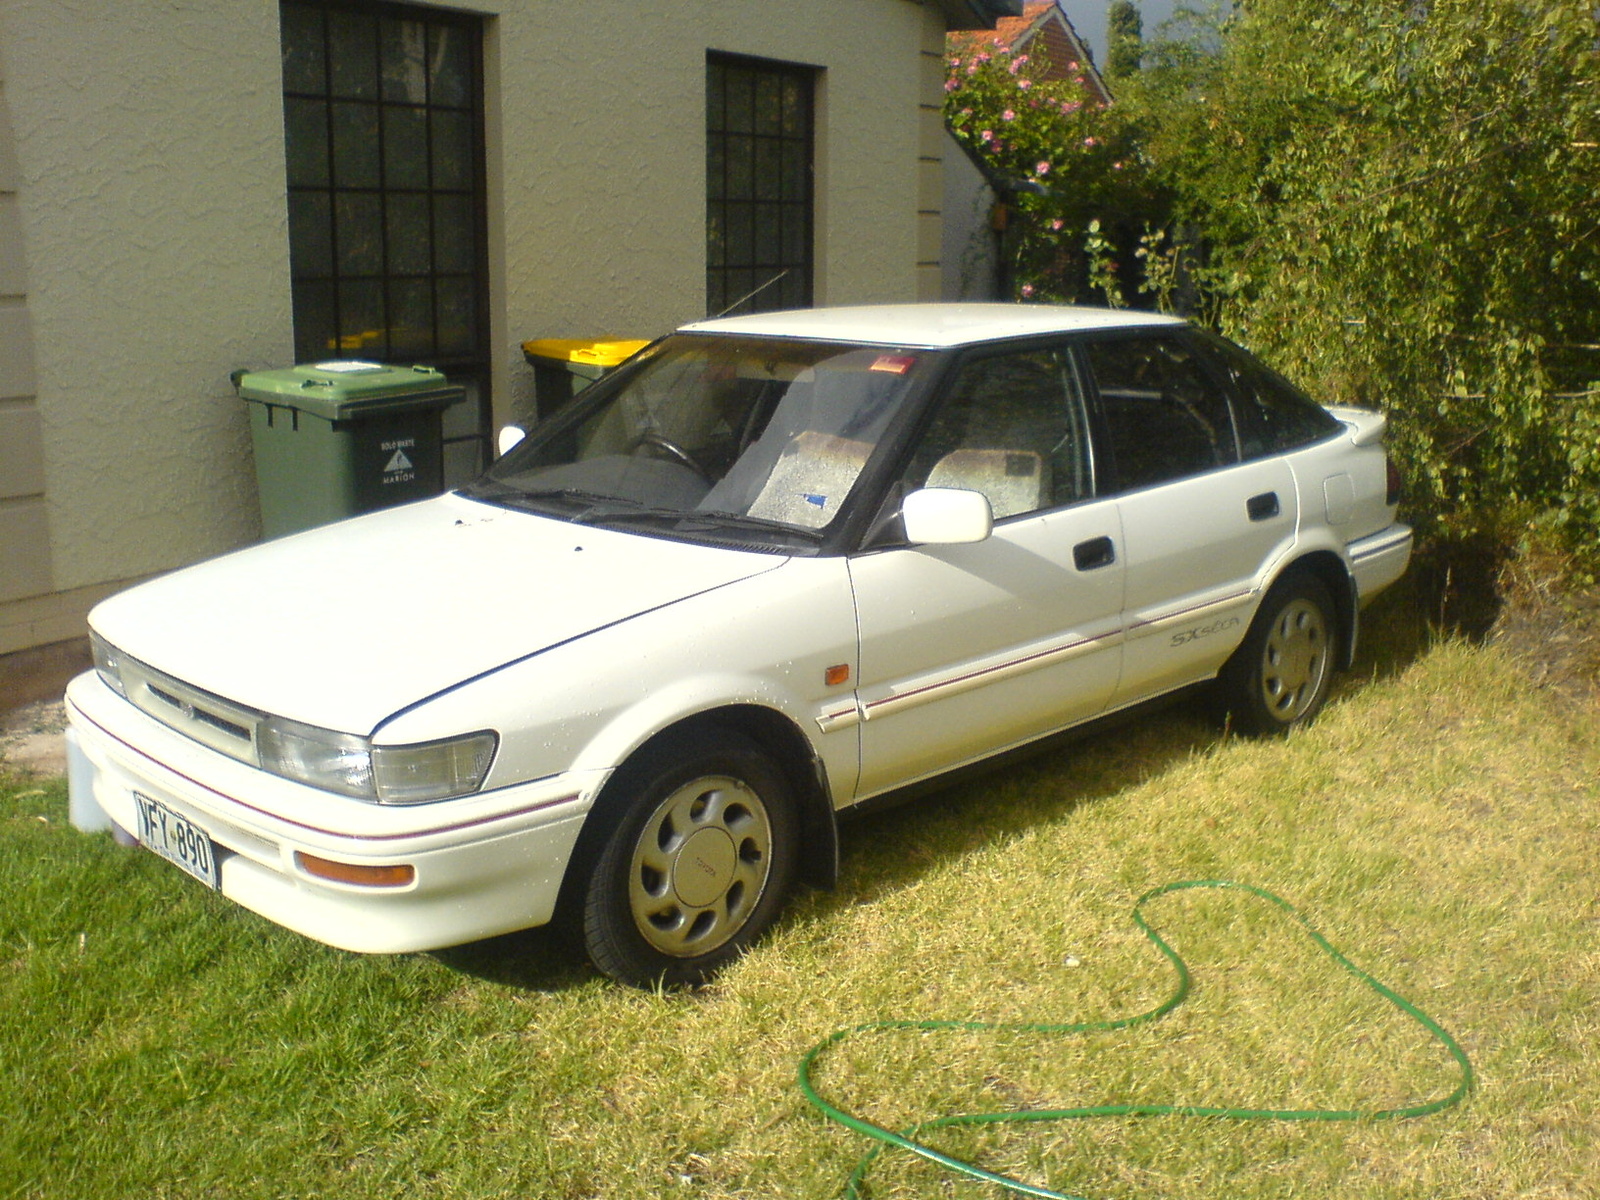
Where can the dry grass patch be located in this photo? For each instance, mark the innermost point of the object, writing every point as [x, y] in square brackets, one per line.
[1439, 825]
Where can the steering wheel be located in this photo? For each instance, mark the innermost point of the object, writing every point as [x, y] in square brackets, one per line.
[660, 441]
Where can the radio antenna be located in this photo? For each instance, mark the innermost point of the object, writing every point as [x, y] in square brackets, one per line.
[752, 294]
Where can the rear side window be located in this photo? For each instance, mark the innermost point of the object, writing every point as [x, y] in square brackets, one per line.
[1274, 417]
[1165, 415]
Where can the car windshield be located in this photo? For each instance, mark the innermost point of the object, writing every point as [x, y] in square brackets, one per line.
[752, 440]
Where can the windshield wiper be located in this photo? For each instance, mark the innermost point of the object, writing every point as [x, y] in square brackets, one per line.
[687, 520]
[746, 521]
[573, 503]
[594, 508]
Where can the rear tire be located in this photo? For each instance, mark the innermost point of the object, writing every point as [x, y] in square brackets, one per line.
[699, 857]
[1281, 674]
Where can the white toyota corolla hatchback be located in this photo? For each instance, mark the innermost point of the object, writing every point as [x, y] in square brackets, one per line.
[773, 567]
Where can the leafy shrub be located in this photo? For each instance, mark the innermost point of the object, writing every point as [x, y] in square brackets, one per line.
[1394, 202]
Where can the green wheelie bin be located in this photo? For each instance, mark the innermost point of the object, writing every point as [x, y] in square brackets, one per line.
[336, 439]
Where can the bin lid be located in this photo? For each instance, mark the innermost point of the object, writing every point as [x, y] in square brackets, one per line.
[588, 351]
[346, 388]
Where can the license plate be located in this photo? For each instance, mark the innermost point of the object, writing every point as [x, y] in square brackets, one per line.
[177, 839]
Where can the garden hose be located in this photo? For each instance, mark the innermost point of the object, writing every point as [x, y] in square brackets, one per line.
[911, 1139]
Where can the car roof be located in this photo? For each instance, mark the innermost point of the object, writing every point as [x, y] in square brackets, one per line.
[928, 325]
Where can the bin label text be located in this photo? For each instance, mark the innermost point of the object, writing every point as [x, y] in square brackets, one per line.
[400, 468]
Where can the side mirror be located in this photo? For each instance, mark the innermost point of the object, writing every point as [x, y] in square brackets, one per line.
[510, 435]
[938, 516]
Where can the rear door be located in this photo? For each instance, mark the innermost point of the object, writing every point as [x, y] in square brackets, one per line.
[1200, 528]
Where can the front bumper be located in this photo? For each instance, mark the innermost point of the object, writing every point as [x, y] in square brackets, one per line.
[484, 864]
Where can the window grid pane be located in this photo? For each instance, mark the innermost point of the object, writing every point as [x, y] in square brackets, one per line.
[386, 200]
[758, 185]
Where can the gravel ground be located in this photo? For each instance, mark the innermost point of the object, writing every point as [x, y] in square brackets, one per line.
[31, 738]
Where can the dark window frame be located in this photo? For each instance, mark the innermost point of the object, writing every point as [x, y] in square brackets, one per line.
[353, 173]
[1105, 431]
[760, 133]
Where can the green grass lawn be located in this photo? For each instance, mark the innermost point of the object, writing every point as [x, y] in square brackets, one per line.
[1439, 825]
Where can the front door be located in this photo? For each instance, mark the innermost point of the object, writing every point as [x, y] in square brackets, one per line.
[967, 649]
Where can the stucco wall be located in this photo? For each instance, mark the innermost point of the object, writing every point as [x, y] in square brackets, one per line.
[150, 147]
[149, 201]
[969, 256]
[602, 116]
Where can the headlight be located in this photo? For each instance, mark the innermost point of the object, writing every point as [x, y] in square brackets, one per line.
[108, 663]
[337, 762]
[432, 770]
[353, 766]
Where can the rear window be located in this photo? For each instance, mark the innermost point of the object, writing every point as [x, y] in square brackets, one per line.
[1274, 415]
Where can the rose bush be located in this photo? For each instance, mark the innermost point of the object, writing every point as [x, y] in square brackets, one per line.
[1061, 161]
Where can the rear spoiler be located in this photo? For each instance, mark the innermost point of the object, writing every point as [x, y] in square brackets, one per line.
[1366, 426]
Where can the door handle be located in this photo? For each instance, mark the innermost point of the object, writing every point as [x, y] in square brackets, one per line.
[1096, 552]
[1263, 507]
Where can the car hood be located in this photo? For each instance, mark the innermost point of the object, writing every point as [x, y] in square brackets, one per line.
[346, 625]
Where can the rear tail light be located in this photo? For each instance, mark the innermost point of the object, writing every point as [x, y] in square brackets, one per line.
[1395, 485]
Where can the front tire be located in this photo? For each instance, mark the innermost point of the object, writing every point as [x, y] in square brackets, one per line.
[697, 862]
[1281, 674]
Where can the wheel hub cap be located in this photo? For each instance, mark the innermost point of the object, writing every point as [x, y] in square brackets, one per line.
[703, 868]
[1295, 660]
[700, 866]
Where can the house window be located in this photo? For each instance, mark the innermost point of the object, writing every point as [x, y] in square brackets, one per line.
[758, 185]
[383, 127]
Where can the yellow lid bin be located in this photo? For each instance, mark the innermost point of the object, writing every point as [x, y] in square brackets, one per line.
[563, 367]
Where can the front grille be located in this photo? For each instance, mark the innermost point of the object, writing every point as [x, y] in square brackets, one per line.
[231, 728]
[208, 719]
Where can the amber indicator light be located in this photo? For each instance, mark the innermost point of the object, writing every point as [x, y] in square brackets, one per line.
[397, 875]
